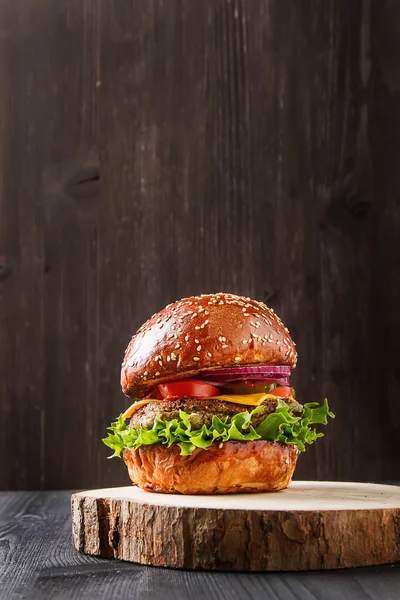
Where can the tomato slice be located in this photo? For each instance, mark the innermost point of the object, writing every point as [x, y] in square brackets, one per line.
[187, 388]
[283, 391]
[264, 386]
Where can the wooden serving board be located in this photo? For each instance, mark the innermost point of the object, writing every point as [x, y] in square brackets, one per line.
[312, 525]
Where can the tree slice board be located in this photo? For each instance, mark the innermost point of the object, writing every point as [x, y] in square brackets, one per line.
[311, 525]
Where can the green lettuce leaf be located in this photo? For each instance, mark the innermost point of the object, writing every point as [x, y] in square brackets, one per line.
[280, 426]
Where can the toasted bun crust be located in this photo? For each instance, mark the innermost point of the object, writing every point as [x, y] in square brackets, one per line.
[204, 332]
[257, 466]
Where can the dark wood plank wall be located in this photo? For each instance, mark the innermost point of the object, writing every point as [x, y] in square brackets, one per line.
[153, 150]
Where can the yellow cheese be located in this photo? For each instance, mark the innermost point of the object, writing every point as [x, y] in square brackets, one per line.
[136, 405]
[249, 399]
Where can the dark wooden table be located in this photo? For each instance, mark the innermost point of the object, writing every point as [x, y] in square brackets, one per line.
[37, 560]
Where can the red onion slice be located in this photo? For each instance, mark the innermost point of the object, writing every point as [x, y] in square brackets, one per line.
[221, 382]
[252, 369]
[252, 376]
[279, 373]
[261, 371]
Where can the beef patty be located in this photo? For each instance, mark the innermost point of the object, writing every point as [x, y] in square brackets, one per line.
[201, 412]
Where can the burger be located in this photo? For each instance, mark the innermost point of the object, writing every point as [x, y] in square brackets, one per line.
[213, 410]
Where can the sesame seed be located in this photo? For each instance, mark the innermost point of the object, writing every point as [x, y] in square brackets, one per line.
[160, 362]
[196, 342]
[249, 340]
[224, 346]
[206, 322]
[246, 314]
[194, 315]
[173, 356]
[200, 309]
[186, 338]
[170, 335]
[157, 373]
[206, 312]
[243, 309]
[161, 325]
[209, 354]
[146, 373]
[244, 341]
[158, 321]
[168, 358]
[237, 358]
[198, 327]
[196, 358]
[177, 346]
[198, 348]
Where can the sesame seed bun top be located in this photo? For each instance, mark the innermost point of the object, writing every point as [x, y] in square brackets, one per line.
[200, 333]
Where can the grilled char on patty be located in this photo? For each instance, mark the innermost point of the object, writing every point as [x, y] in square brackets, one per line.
[201, 412]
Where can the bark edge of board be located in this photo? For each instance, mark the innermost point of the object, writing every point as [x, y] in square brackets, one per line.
[234, 539]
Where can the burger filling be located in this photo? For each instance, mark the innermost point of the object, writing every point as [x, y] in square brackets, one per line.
[201, 412]
[203, 416]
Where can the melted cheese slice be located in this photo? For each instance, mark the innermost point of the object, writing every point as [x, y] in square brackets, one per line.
[247, 399]
[136, 405]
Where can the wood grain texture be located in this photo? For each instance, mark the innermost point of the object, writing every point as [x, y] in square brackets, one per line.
[39, 562]
[155, 150]
[310, 526]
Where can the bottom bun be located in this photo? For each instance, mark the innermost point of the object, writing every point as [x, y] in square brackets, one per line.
[257, 466]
